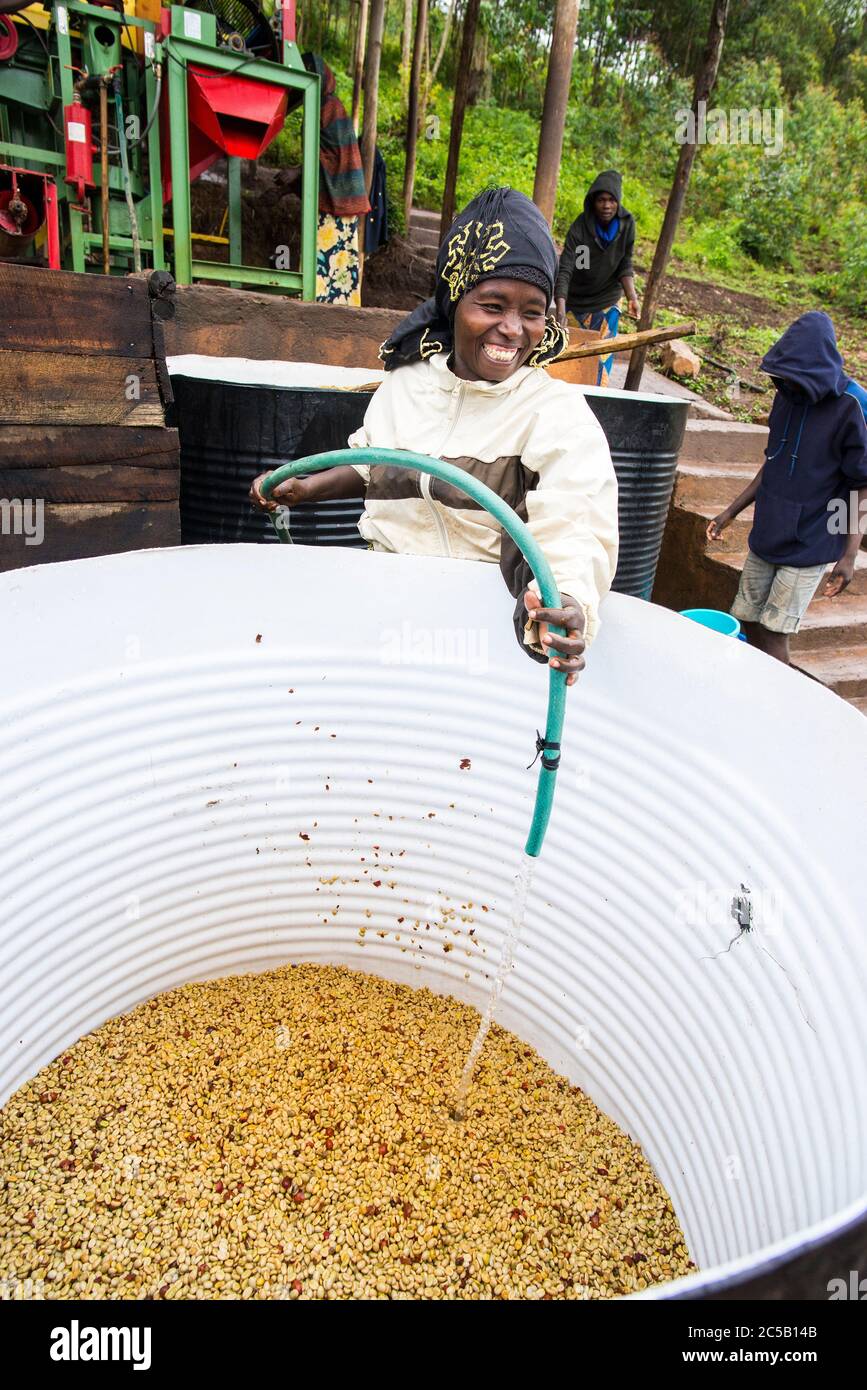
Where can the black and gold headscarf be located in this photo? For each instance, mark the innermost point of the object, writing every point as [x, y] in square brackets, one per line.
[500, 233]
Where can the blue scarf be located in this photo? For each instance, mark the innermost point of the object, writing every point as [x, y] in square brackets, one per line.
[607, 234]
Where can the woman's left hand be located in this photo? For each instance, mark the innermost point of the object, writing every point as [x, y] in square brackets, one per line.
[564, 653]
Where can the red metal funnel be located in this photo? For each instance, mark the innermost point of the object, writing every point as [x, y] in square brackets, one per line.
[240, 117]
[228, 115]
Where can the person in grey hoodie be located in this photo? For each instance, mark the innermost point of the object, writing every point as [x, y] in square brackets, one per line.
[596, 264]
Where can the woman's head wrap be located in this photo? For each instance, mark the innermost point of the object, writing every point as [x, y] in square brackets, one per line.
[501, 234]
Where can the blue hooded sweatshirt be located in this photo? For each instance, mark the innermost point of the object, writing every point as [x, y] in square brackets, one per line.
[817, 449]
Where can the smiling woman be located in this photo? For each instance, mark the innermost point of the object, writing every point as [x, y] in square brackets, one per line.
[466, 383]
[497, 325]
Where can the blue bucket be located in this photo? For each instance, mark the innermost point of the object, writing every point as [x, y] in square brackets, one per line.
[714, 619]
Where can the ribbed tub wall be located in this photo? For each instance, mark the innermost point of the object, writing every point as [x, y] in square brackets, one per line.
[194, 867]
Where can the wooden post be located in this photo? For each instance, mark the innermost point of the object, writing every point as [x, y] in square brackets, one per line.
[704, 83]
[413, 106]
[358, 60]
[554, 109]
[459, 106]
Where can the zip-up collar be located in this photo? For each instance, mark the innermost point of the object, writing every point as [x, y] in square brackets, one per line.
[445, 379]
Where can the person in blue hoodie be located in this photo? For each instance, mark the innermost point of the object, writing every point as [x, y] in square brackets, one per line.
[810, 493]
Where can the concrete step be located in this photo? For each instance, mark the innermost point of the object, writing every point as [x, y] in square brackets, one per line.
[424, 239]
[735, 560]
[424, 217]
[833, 622]
[842, 669]
[734, 537]
[703, 489]
[715, 442]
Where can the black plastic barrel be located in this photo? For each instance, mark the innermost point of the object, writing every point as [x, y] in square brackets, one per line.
[230, 433]
[644, 436]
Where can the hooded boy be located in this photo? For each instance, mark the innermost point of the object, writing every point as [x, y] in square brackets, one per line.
[810, 493]
[596, 263]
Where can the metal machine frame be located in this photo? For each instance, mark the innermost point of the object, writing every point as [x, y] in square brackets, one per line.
[291, 74]
[173, 51]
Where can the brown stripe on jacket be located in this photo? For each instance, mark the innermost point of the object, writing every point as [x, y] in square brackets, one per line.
[506, 476]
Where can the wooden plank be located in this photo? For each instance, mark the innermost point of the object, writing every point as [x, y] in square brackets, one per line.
[74, 532]
[50, 446]
[58, 311]
[219, 322]
[50, 388]
[104, 482]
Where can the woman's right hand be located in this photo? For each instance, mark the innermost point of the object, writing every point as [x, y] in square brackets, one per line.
[716, 527]
[287, 494]
[560, 308]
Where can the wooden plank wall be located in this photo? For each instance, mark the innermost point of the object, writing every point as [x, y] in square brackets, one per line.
[220, 322]
[83, 394]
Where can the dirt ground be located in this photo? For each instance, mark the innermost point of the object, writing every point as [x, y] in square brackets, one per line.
[722, 314]
[396, 277]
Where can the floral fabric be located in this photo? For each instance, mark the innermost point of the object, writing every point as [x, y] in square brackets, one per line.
[338, 278]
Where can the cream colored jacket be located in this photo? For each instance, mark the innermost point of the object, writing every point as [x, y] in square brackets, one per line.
[533, 439]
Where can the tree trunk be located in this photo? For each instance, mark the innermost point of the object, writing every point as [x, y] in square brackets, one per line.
[554, 108]
[443, 41]
[372, 60]
[432, 71]
[358, 60]
[479, 68]
[704, 84]
[418, 49]
[349, 35]
[459, 106]
[405, 42]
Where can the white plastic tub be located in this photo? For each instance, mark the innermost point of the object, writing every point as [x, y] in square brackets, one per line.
[160, 766]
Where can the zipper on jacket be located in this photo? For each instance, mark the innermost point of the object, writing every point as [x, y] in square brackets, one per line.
[425, 477]
[443, 534]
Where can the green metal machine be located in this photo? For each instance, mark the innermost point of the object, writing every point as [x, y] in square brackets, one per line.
[107, 117]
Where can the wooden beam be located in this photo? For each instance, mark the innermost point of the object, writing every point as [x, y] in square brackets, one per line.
[75, 532]
[105, 482]
[624, 342]
[50, 388]
[59, 446]
[235, 323]
[58, 311]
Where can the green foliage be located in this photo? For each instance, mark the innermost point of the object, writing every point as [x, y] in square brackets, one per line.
[772, 208]
[784, 224]
[712, 246]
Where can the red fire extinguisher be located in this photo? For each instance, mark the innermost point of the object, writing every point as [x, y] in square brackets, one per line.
[78, 139]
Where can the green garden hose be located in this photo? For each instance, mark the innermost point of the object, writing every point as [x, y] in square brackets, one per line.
[549, 747]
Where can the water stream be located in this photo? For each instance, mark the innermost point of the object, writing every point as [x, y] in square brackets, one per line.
[523, 880]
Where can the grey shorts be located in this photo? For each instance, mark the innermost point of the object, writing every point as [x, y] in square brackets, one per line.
[777, 596]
